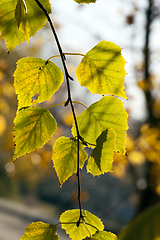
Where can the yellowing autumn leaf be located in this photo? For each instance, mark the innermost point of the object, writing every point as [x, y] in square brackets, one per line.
[102, 70]
[15, 28]
[69, 221]
[104, 114]
[101, 158]
[103, 235]
[40, 231]
[33, 127]
[64, 156]
[36, 80]
[21, 17]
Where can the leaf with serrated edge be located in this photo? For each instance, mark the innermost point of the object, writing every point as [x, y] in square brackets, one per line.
[85, 1]
[101, 158]
[40, 231]
[64, 156]
[102, 235]
[107, 113]
[8, 24]
[102, 70]
[33, 127]
[69, 221]
[36, 77]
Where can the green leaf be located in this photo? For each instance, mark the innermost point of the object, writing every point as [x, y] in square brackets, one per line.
[65, 157]
[85, 1]
[69, 221]
[103, 235]
[107, 113]
[20, 12]
[33, 127]
[36, 16]
[21, 17]
[10, 27]
[40, 231]
[101, 158]
[102, 70]
[144, 226]
[36, 77]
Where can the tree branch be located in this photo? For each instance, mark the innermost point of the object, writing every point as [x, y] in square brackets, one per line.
[69, 100]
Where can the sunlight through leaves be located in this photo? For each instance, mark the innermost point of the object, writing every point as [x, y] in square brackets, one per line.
[69, 221]
[64, 156]
[40, 231]
[33, 127]
[36, 80]
[102, 70]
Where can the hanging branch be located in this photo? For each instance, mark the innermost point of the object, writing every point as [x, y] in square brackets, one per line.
[69, 100]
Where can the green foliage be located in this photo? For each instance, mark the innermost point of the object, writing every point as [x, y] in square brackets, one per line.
[102, 70]
[33, 127]
[21, 17]
[144, 226]
[103, 235]
[64, 157]
[100, 160]
[102, 126]
[36, 77]
[85, 1]
[107, 113]
[40, 231]
[69, 221]
[17, 27]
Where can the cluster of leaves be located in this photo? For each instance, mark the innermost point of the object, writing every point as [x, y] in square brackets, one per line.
[92, 225]
[102, 126]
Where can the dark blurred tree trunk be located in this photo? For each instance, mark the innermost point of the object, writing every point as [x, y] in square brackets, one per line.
[147, 74]
[148, 195]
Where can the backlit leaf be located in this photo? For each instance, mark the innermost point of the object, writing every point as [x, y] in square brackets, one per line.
[101, 158]
[85, 1]
[144, 226]
[36, 16]
[21, 17]
[65, 157]
[40, 231]
[69, 221]
[102, 235]
[33, 127]
[36, 80]
[8, 22]
[102, 70]
[107, 113]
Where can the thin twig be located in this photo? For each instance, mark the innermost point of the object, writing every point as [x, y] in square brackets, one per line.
[69, 100]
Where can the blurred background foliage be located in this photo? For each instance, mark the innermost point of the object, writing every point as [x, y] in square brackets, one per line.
[134, 184]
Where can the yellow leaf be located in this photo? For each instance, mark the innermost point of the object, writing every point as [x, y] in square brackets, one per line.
[102, 70]
[2, 124]
[21, 17]
[136, 158]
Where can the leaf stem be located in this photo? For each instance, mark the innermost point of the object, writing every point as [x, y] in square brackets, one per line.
[75, 54]
[58, 104]
[55, 105]
[69, 100]
[70, 54]
[80, 104]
